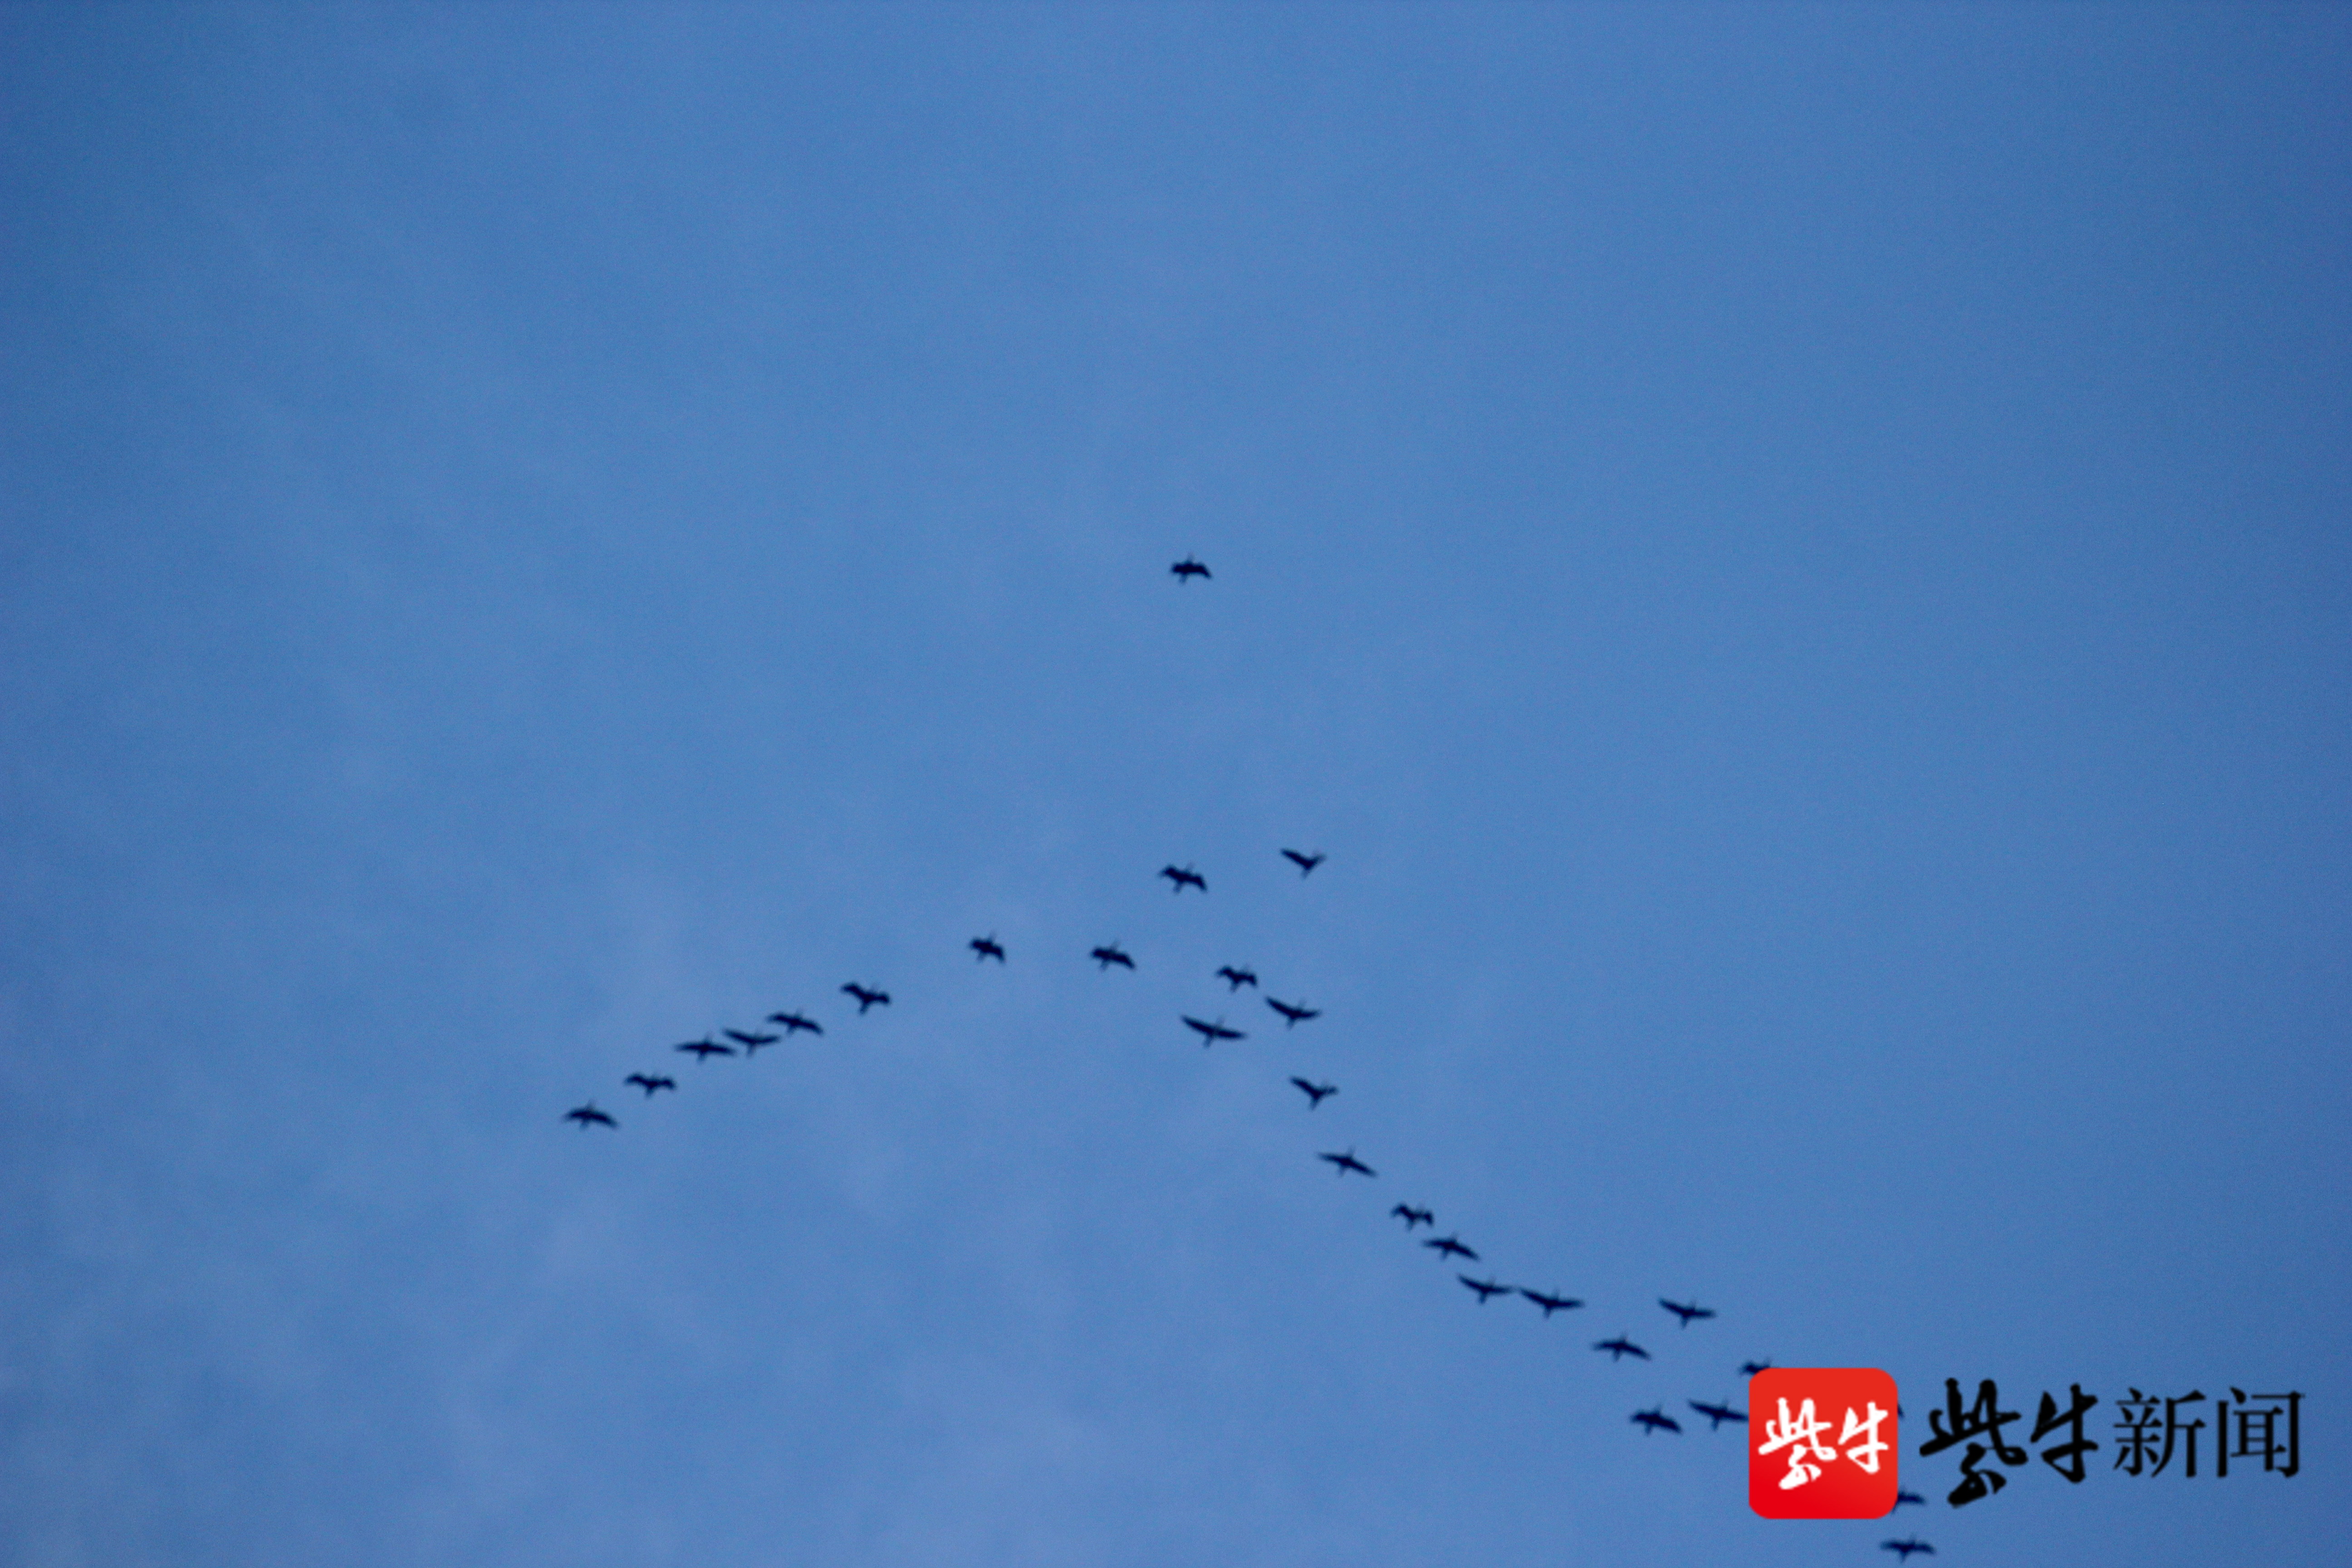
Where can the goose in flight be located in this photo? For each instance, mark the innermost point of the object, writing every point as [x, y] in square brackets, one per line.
[866, 997]
[1305, 863]
[1484, 1288]
[588, 1115]
[1655, 1417]
[1687, 1312]
[987, 947]
[1210, 1033]
[1109, 954]
[752, 1043]
[1347, 1162]
[1187, 877]
[1717, 1415]
[1903, 1549]
[1413, 1217]
[1293, 1012]
[1188, 569]
[1314, 1092]
[793, 1023]
[1620, 1347]
[1450, 1247]
[1236, 979]
[705, 1050]
[1551, 1304]
[652, 1084]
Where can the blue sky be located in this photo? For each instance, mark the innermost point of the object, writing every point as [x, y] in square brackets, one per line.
[1793, 558]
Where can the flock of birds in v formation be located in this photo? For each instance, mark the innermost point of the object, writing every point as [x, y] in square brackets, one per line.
[1344, 1163]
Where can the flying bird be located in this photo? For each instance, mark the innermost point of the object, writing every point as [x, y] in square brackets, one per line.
[986, 947]
[1450, 1247]
[1187, 877]
[705, 1050]
[1236, 979]
[1347, 1162]
[1188, 569]
[1293, 1013]
[588, 1115]
[752, 1043]
[1686, 1313]
[1210, 1033]
[1110, 954]
[866, 997]
[1620, 1347]
[1484, 1288]
[652, 1084]
[1305, 863]
[793, 1023]
[1903, 1549]
[1653, 1418]
[1717, 1415]
[1314, 1091]
[1413, 1217]
[1551, 1304]
[1901, 1497]
[1750, 1368]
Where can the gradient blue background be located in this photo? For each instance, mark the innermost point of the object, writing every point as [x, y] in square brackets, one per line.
[1795, 559]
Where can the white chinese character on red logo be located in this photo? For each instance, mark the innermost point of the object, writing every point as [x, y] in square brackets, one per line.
[1804, 1433]
[1865, 1453]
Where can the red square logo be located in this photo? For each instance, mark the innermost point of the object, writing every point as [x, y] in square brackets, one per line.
[1822, 1443]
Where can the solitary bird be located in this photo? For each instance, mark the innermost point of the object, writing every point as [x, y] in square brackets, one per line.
[1305, 863]
[752, 1043]
[1314, 1092]
[1653, 1418]
[793, 1023]
[1236, 979]
[1347, 1162]
[705, 1050]
[1210, 1033]
[1717, 1415]
[1187, 877]
[1686, 1313]
[1484, 1288]
[1293, 1013]
[1551, 1304]
[987, 947]
[1110, 954]
[1903, 1549]
[1413, 1217]
[866, 997]
[652, 1084]
[1450, 1247]
[588, 1115]
[1620, 1347]
[1188, 569]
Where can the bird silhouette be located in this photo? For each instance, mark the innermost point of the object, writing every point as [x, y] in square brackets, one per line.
[1314, 1092]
